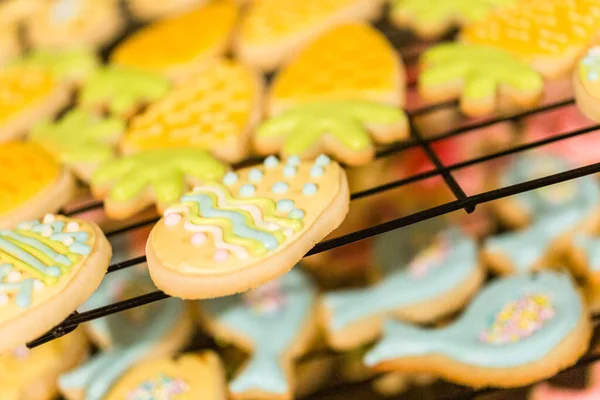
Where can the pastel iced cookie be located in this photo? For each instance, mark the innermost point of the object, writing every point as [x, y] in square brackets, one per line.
[28, 94]
[47, 269]
[59, 24]
[32, 374]
[176, 45]
[436, 282]
[131, 183]
[80, 140]
[517, 331]
[549, 35]
[32, 183]
[485, 78]
[188, 376]
[432, 18]
[122, 90]
[275, 323]
[151, 9]
[214, 108]
[586, 83]
[256, 224]
[272, 31]
[127, 338]
[348, 62]
[584, 257]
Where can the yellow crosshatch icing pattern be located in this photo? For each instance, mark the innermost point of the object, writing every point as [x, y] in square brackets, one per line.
[23, 87]
[210, 109]
[534, 27]
[350, 62]
[179, 40]
[270, 20]
[25, 170]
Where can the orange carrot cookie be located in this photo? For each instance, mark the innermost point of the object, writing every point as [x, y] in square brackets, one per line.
[255, 225]
[32, 183]
[550, 35]
[176, 45]
[26, 95]
[73, 23]
[484, 77]
[48, 268]
[214, 108]
[151, 9]
[273, 30]
[32, 374]
[132, 183]
[190, 376]
[349, 62]
[586, 82]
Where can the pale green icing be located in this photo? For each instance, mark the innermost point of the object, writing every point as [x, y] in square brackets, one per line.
[305, 125]
[481, 69]
[79, 136]
[68, 64]
[122, 89]
[434, 272]
[591, 248]
[447, 11]
[271, 321]
[461, 340]
[163, 170]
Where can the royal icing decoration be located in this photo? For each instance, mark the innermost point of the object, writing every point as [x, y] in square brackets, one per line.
[162, 387]
[511, 323]
[271, 318]
[437, 270]
[302, 128]
[212, 109]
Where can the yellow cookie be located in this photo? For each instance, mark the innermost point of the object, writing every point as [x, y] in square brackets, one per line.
[32, 374]
[57, 24]
[215, 109]
[349, 62]
[32, 183]
[189, 377]
[175, 45]
[254, 225]
[550, 35]
[273, 30]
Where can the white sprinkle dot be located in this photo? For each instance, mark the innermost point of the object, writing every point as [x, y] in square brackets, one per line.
[13, 277]
[72, 227]
[48, 218]
[172, 219]
[38, 285]
[68, 240]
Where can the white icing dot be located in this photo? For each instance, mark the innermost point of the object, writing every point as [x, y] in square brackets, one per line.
[293, 160]
[271, 162]
[172, 219]
[72, 227]
[68, 240]
[48, 219]
[13, 277]
[198, 238]
[255, 175]
[247, 190]
[322, 160]
[3, 298]
[221, 255]
[46, 231]
[38, 285]
[230, 178]
[290, 171]
[280, 187]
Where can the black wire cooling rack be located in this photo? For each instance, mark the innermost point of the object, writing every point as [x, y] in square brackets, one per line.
[468, 203]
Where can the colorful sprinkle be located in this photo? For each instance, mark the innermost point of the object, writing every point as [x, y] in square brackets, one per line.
[285, 205]
[255, 175]
[296, 213]
[309, 189]
[280, 188]
[162, 387]
[271, 162]
[247, 190]
[172, 219]
[230, 178]
[266, 299]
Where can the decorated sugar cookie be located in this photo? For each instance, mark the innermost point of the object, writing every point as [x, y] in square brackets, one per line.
[176, 45]
[432, 18]
[275, 323]
[59, 24]
[348, 62]
[47, 269]
[272, 31]
[546, 391]
[32, 183]
[72, 65]
[215, 108]
[151, 9]
[81, 140]
[549, 35]
[155, 330]
[437, 282]
[122, 90]
[31, 374]
[256, 224]
[26, 95]
[586, 83]
[517, 331]
[485, 78]
[131, 183]
[189, 376]
[584, 257]
[338, 128]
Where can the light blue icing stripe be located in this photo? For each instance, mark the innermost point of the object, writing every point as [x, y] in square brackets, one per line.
[24, 288]
[27, 258]
[79, 236]
[460, 340]
[271, 334]
[591, 247]
[240, 228]
[56, 226]
[57, 257]
[401, 289]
